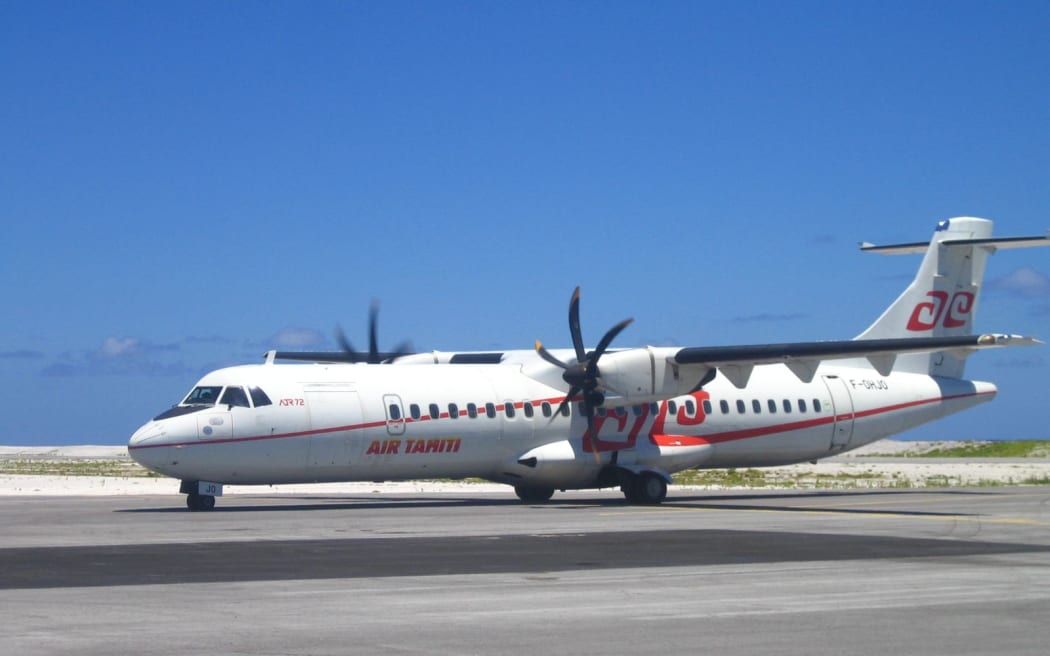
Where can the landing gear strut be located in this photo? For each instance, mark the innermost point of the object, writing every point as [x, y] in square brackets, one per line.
[646, 489]
[196, 501]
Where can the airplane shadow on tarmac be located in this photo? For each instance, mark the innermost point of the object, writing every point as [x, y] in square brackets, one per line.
[764, 502]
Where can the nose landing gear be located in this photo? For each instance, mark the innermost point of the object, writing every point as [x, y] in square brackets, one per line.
[196, 501]
[200, 495]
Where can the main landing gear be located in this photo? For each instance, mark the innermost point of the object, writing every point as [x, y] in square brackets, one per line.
[534, 494]
[644, 488]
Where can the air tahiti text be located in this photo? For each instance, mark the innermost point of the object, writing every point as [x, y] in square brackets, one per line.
[394, 447]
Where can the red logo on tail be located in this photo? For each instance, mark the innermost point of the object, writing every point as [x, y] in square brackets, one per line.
[928, 314]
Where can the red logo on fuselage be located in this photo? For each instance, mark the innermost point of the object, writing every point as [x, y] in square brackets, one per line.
[928, 314]
[617, 422]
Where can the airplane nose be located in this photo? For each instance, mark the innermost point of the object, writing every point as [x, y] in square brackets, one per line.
[145, 434]
[146, 446]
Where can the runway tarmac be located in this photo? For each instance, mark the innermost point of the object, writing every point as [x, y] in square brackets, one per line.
[959, 571]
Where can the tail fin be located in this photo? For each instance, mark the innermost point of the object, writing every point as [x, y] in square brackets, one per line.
[942, 299]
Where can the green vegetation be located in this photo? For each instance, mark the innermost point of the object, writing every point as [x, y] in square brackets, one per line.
[787, 479]
[74, 467]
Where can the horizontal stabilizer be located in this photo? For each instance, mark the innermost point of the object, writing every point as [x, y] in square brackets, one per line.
[992, 243]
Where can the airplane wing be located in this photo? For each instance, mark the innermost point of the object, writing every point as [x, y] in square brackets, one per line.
[803, 358]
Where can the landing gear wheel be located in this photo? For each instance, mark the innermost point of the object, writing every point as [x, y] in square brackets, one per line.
[645, 489]
[534, 494]
[200, 502]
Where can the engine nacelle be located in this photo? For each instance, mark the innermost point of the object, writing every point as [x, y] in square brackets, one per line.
[556, 464]
[642, 375]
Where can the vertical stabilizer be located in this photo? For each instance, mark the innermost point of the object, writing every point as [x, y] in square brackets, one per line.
[942, 299]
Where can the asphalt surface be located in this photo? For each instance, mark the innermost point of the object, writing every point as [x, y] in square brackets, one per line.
[960, 571]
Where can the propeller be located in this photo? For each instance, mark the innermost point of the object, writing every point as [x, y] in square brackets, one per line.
[373, 356]
[583, 375]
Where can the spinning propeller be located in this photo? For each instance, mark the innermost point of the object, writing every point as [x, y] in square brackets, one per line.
[373, 356]
[583, 375]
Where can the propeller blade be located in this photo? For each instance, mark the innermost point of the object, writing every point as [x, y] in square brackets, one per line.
[404, 348]
[373, 340]
[582, 376]
[589, 411]
[344, 343]
[546, 355]
[573, 391]
[608, 338]
[574, 326]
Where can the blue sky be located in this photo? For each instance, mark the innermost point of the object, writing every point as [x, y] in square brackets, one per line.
[183, 186]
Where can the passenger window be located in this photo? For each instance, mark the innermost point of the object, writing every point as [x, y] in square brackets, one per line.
[395, 411]
[565, 410]
[259, 397]
[787, 406]
[453, 411]
[636, 410]
[772, 406]
[740, 407]
[816, 405]
[756, 405]
[435, 411]
[707, 407]
[528, 409]
[802, 405]
[508, 408]
[654, 409]
[235, 396]
[414, 410]
[690, 408]
[545, 408]
[490, 410]
[723, 405]
[672, 408]
[472, 410]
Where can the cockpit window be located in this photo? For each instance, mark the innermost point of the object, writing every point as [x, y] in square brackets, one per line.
[202, 396]
[235, 396]
[259, 397]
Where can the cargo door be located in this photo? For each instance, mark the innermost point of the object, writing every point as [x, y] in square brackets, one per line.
[842, 407]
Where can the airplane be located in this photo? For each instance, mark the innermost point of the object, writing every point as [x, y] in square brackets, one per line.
[543, 420]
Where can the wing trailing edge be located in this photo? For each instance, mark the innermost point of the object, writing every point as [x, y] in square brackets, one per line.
[803, 358]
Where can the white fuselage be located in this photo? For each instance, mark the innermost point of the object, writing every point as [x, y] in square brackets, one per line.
[346, 422]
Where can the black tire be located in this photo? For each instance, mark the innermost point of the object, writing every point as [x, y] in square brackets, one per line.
[646, 489]
[197, 502]
[534, 494]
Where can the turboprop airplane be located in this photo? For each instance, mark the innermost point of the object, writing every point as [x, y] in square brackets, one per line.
[543, 420]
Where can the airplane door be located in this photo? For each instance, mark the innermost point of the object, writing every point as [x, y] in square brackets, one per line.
[395, 414]
[334, 410]
[842, 406]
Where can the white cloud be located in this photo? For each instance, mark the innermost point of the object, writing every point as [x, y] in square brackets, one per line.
[120, 347]
[297, 338]
[1026, 282]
